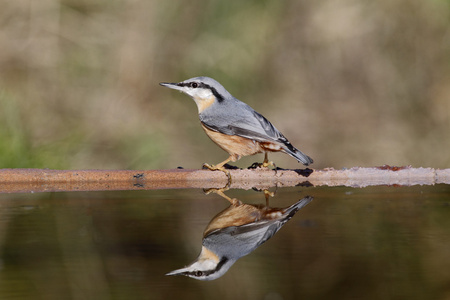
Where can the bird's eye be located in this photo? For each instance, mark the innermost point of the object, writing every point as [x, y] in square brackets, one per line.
[194, 85]
[198, 273]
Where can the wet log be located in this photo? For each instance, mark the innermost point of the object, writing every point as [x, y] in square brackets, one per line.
[45, 180]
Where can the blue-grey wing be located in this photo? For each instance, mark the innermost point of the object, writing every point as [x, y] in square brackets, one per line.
[245, 123]
[237, 118]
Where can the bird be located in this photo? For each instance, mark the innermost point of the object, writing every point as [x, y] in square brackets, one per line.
[235, 232]
[233, 125]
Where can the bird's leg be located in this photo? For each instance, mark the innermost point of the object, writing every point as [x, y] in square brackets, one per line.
[220, 167]
[266, 163]
[220, 192]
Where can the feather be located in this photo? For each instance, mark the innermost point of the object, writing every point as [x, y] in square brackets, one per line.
[248, 123]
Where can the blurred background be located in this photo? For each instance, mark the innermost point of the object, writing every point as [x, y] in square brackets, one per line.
[350, 83]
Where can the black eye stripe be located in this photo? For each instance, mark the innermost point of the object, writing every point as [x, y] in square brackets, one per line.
[198, 85]
[208, 272]
[194, 84]
[203, 85]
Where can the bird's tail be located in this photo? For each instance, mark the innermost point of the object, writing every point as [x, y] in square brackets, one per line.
[294, 208]
[300, 204]
[298, 155]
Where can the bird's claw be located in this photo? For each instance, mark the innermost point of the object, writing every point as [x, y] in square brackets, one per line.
[218, 168]
[267, 164]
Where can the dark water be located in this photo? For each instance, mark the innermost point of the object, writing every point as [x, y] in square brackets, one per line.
[371, 243]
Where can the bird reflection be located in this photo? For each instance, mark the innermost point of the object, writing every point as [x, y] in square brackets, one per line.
[235, 232]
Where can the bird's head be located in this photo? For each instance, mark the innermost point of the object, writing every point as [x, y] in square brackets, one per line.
[204, 90]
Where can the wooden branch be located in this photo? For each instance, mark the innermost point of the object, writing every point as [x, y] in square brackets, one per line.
[43, 180]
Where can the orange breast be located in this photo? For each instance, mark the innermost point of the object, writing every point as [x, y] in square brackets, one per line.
[234, 216]
[238, 146]
[235, 145]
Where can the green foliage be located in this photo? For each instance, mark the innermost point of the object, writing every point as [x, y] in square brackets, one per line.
[18, 149]
[349, 83]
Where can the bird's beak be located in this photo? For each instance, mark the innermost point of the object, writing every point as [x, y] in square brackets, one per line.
[178, 272]
[174, 86]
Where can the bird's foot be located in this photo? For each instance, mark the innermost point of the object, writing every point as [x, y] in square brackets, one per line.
[265, 164]
[218, 168]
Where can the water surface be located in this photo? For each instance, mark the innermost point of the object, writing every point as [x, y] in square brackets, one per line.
[347, 243]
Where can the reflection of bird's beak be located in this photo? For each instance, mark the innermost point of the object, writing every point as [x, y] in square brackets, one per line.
[174, 86]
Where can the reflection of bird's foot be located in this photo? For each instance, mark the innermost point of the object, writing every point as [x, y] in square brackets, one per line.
[220, 192]
[268, 193]
[218, 168]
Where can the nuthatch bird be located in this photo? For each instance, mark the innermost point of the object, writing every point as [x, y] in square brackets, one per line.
[234, 233]
[233, 125]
